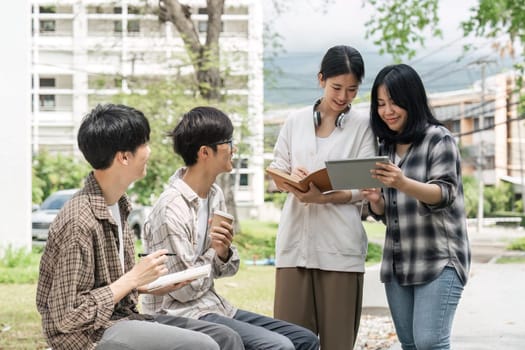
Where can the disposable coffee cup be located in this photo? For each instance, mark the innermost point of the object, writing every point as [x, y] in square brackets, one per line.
[219, 216]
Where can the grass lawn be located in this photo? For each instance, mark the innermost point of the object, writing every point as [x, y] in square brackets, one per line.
[18, 311]
[251, 288]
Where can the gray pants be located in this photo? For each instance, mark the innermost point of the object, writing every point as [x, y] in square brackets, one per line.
[169, 333]
[262, 332]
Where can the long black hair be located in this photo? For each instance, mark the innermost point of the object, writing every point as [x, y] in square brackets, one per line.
[406, 89]
[342, 59]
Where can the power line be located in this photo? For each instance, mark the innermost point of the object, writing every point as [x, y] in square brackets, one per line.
[511, 120]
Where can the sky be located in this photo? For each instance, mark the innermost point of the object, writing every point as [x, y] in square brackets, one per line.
[311, 25]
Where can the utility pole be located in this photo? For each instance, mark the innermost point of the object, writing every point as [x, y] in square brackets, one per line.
[481, 197]
[480, 161]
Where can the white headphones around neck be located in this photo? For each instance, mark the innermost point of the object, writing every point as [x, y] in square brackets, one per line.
[339, 121]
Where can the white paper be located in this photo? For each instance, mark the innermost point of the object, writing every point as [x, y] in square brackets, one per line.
[181, 276]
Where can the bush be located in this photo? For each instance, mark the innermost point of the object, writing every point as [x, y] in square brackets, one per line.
[19, 266]
[52, 172]
[518, 244]
[374, 253]
[277, 198]
[258, 239]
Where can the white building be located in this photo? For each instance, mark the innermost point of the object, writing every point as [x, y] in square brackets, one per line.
[87, 50]
[15, 151]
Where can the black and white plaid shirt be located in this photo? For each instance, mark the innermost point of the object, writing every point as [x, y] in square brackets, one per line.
[422, 239]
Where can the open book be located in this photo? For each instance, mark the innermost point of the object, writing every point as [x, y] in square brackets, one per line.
[191, 273]
[319, 178]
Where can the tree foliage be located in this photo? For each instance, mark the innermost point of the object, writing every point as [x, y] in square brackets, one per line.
[497, 199]
[399, 25]
[53, 172]
[205, 57]
[164, 103]
[491, 18]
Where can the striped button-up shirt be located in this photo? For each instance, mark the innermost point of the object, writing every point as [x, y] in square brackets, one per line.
[422, 239]
[172, 224]
[79, 263]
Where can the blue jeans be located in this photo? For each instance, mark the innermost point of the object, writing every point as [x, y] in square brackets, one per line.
[263, 332]
[423, 314]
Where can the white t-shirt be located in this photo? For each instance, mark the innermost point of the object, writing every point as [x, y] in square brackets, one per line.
[115, 213]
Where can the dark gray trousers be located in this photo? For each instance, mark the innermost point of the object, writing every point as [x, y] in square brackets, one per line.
[169, 333]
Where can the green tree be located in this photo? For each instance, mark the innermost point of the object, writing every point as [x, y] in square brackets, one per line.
[399, 25]
[53, 172]
[470, 192]
[164, 103]
[205, 59]
[499, 197]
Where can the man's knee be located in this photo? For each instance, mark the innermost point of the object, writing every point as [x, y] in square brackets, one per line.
[228, 338]
[205, 342]
[282, 343]
[307, 340]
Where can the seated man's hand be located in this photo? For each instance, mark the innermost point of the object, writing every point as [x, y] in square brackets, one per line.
[221, 239]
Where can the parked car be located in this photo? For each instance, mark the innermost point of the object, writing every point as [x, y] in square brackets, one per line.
[136, 219]
[43, 215]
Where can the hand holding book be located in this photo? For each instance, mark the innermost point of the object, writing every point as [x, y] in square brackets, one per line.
[319, 178]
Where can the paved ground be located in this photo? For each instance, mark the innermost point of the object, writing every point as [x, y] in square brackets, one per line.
[491, 313]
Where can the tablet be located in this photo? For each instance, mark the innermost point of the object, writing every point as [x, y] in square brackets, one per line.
[347, 174]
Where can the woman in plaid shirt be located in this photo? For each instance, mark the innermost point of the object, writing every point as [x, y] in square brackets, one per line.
[426, 256]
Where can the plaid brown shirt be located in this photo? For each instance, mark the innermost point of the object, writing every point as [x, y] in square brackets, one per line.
[79, 263]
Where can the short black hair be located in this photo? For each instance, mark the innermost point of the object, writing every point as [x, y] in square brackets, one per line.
[200, 126]
[406, 89]
[342, 59]
[109, 129]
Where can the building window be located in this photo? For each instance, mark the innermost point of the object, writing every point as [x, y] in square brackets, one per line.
[48, 9]
[47, 26]
[243, 180]
[203, 25]
[134, 10]
[47, 102]
[117, 26]
[454, 126]
[241, 163]
[133, 26]
[490, 162]
[487, 122]
[47, 82]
